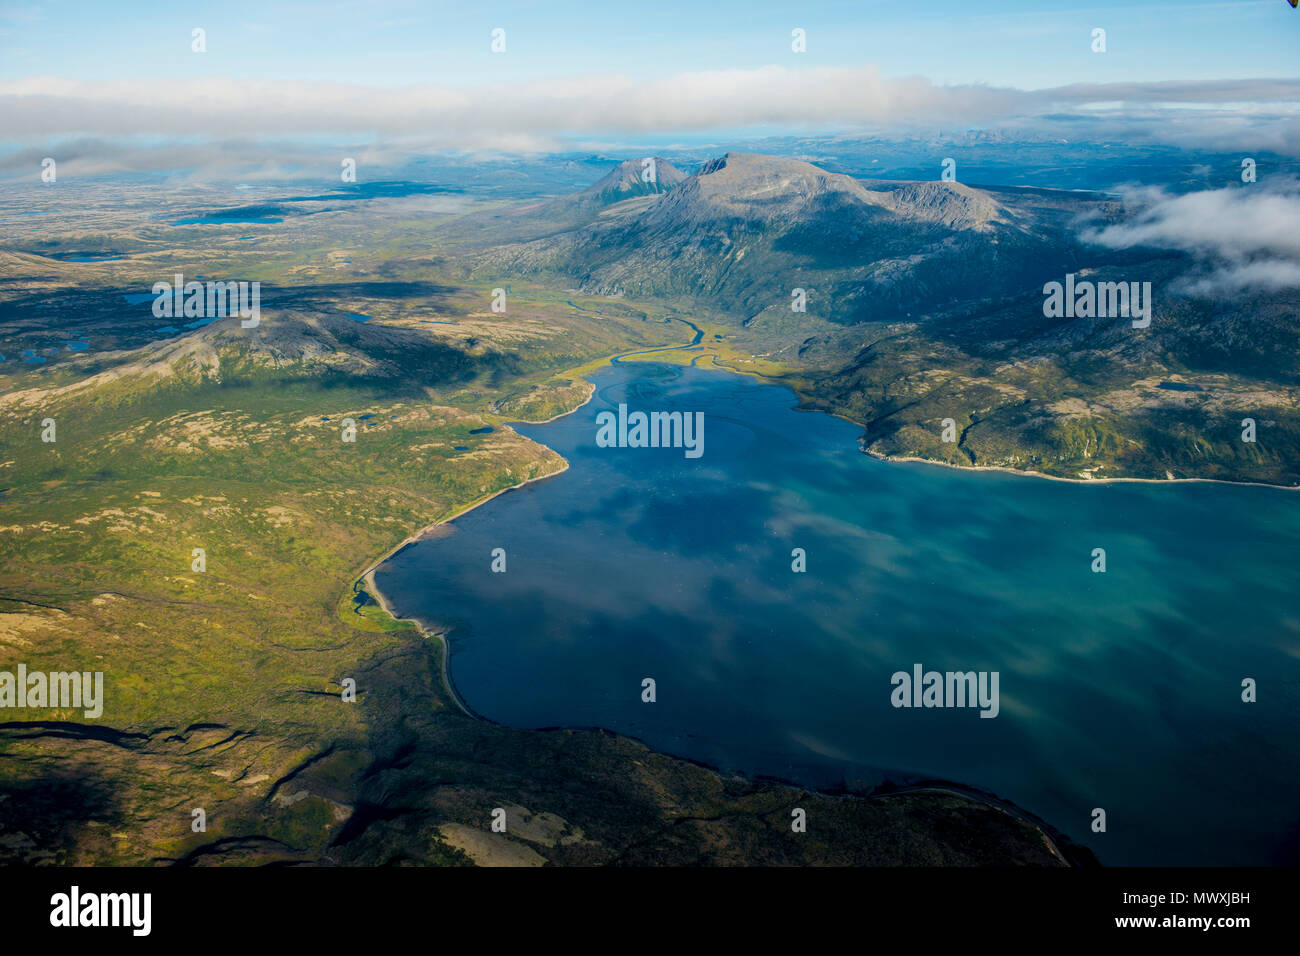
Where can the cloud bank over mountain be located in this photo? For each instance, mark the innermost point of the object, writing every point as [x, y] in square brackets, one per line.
[554, 113]
[1244, 236]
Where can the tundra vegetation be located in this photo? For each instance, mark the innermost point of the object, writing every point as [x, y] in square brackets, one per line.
[224, 678]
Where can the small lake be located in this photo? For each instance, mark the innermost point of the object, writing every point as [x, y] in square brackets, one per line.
[1118, 690]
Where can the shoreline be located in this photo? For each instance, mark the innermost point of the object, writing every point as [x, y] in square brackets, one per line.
[367, 579]
[804, 406]
[412, 538]
[367, 575]
[591, 391]
[1029, 473]
[1050, 834]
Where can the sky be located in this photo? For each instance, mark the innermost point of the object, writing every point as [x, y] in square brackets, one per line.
[1027, 45]
[583, 71]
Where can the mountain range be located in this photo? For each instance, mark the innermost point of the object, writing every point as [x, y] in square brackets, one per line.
[923, 301]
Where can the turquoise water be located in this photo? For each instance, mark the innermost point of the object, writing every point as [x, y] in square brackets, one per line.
[1119, 690]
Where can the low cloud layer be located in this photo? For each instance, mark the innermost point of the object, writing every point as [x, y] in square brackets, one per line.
[1255, 114]
[1246, 238]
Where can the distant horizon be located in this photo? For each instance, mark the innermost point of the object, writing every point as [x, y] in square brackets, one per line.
[403, 79]
[291, 168]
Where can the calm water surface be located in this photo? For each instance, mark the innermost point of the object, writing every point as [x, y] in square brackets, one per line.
[1119, 690]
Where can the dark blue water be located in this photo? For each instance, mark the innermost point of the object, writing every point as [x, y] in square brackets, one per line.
[1119, 690]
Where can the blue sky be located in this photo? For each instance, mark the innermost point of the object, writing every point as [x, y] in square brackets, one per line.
[410, 78]
[393, 42]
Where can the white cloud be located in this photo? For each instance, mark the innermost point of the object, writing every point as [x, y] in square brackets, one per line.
[1245, 238]
[524, 115]
[1265, 275]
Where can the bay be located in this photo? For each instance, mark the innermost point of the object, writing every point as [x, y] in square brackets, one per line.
[1118, 690]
